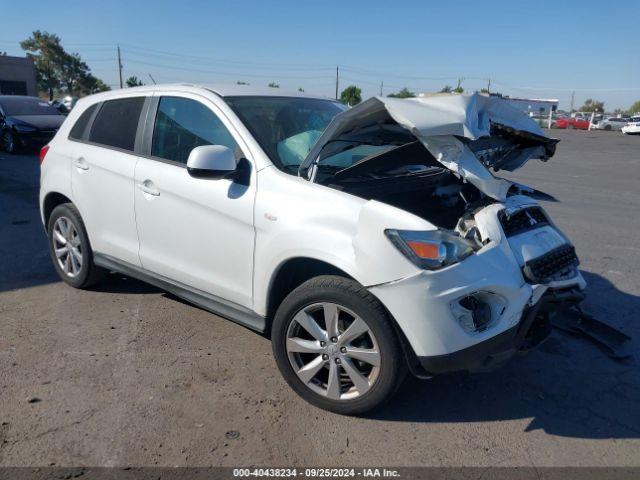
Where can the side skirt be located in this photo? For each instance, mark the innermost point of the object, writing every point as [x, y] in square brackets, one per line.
[211, 303]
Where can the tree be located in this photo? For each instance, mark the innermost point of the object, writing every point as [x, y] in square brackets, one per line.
[446, 89]
[48, 56]
[484, 90]
[404, 93]
[458, 90]
[56, 68]
[300, 89]
[240, 82]
[351, 95]
[91, 84]
[635, 108]
[274, 85]
[133, 81]
[591, 105]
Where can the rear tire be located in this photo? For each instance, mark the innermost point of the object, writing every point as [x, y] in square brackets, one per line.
[607, 128]
[344, 381]
[9, 142]
[70, 249]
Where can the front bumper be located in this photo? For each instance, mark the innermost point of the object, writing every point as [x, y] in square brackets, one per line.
[425, 305]
[534, 327]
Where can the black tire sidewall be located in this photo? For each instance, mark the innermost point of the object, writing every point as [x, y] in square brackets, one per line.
[13, 142]
[69, 211]
[351, 295]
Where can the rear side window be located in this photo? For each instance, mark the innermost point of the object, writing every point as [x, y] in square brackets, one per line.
[183, 124]
[78, 130]
[117, 122]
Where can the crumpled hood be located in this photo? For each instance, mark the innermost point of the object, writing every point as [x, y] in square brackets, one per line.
[448, 125]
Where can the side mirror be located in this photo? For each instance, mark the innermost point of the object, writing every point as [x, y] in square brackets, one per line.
[211, 161]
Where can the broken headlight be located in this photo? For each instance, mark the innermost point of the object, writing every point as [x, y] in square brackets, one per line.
[431, 250]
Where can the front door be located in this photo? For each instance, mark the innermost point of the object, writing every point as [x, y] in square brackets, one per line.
[198, 232]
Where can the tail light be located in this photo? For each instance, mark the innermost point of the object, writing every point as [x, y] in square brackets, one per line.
[43, 153]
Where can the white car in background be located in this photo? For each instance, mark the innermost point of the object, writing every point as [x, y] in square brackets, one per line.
[610, 123]
[632, 127]
[364, 242]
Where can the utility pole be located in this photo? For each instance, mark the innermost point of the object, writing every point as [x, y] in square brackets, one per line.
[381, 85]
[119, 66]
[572, 96]
[489, 85]
[152, 79]
[459, 82]
[337, 80]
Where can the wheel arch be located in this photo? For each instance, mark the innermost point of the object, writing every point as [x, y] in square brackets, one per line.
[51, 201]
[292, 273]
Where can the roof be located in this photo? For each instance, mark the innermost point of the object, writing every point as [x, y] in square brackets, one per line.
[224, 90]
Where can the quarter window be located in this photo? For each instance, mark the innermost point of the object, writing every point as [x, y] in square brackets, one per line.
[117, 123]
[79, 128]
[183, 124]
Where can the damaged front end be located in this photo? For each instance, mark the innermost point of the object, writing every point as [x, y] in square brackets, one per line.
[488, 256]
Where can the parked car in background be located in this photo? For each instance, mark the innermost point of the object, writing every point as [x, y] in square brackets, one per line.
[27, 122]
[571, 123]
[610, 123]
[354, 237]
[632, 127]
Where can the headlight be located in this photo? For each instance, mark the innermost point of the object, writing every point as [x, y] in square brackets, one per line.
[24, 128]
[430, 250]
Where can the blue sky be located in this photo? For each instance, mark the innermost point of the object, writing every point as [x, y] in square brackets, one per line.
[541, 49]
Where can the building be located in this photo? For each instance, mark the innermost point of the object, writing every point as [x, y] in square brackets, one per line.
[17, 76]
[532, 106]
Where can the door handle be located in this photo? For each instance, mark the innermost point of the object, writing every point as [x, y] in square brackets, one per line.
[81, 163]
[148, 187]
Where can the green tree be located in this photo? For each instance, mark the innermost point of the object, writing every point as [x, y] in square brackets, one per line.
[635, 108]
[274, 85]
[90, 84]
[351, 95]
[591, 105]
[48, 56]
[57, 69]
[446, 89]
[458, 90]
[300, 89]
[240, 82]
[133, 81]
[404, 93]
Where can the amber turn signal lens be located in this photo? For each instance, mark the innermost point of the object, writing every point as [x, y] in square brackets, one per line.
[425, 250]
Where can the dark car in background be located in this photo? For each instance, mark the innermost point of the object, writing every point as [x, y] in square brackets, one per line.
[26, 122]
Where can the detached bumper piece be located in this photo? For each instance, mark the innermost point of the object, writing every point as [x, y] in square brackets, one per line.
[533, 329]
[615, 344]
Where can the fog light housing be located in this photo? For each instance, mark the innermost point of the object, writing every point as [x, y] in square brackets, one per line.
[478, 311]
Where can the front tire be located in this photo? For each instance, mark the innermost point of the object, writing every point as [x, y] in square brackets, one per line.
[70, 249]
[336, 346]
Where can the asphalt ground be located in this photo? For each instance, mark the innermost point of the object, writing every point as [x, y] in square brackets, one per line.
[126, 374]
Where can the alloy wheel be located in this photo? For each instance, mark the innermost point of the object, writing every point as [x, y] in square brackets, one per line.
[333, 351]
[67, 246]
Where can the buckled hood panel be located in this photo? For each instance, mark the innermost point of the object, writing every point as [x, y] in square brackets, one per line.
[467, 134]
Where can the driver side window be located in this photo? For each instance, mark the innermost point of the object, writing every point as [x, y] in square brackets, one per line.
[183, 124]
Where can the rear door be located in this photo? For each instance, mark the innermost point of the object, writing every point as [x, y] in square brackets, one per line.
[103, 165]
[195, 231]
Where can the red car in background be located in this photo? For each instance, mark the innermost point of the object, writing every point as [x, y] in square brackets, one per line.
[577, 123]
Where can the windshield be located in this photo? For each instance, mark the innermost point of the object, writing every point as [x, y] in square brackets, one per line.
[26, 106]
[285, 127]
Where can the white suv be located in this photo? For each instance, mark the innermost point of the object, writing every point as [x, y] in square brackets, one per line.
[366, 242]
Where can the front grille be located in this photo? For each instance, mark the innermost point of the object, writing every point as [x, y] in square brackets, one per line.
[558, 264]
[522, 220]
